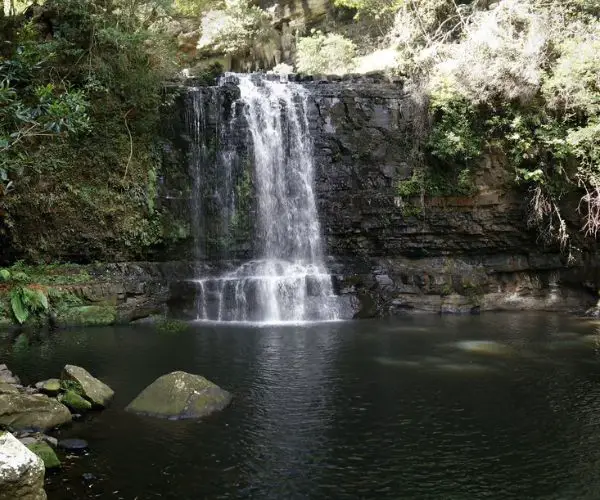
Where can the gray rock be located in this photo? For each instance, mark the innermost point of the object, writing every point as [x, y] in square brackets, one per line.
[180, 395]
[8, 388]
[94, 390]
[52, 441]
[21, 471]
[28, 440]
[23, 411]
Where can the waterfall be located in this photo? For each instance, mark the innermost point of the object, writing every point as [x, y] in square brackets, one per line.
[288, 281]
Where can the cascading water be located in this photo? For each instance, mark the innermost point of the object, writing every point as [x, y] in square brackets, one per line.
[288, 282]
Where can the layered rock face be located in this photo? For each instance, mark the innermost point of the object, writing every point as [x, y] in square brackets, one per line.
[393, 255]
[451, 254]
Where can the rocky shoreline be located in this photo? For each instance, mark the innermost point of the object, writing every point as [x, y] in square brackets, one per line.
[29, 415]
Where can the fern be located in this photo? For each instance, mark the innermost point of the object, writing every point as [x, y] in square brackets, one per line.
[19, 309]
[26, 301]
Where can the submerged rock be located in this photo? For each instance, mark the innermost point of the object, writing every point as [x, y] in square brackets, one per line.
[46, 453]
[25, 411]
[73, 444]
[485, 347]
[21, 471]
[180, 395]
[94, 390]
[74, 401]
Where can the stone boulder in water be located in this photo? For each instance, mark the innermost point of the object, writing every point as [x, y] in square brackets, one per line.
[21, 471]
[180, 395]
[92, 389]
[25, 411]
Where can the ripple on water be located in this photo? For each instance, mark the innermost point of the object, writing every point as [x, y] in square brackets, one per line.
[327, 411]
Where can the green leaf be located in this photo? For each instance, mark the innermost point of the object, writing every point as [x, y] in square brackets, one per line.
[4, 274]
[18, 308]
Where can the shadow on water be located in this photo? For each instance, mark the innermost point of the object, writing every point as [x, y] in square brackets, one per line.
[495, 406]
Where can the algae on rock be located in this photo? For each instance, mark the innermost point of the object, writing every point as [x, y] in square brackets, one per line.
[74, 401]
[25, 411]
[46, 453]
[180, 395]
[92, 389]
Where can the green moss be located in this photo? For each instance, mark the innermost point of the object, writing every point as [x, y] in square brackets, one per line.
[46, 453]
[74, 401]
[88, 316]
[51, 386]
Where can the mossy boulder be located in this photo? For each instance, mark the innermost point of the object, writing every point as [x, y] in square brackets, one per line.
[46, 453]
[50, 386]
[21, 471]
[25, 411]
[80, 381]
[87, 316]
[74, 401]
[180, 395]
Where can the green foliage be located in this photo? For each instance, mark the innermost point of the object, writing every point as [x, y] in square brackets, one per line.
[454, 135]
[234, 29]
[437, 182]
[325, 54]
[28, 301]
[79, 114]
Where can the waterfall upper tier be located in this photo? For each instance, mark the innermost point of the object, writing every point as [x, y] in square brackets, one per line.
[288, 281]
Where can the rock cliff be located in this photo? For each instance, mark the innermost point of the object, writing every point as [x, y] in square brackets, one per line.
[446, 254]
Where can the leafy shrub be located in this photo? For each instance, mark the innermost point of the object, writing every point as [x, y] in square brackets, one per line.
[325, 54]
[234, 29]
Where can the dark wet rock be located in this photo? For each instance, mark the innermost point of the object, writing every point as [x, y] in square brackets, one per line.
[180, 395]
[24, 411]
[73, 444]
[88, 477]
[21, 471]
[92, 389]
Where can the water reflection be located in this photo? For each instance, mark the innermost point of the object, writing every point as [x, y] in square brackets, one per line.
[496, 407]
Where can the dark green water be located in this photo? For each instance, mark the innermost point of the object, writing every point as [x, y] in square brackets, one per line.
[375, 409]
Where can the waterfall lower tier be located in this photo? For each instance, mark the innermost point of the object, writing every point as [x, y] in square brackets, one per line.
[268, 291]
[288, 281]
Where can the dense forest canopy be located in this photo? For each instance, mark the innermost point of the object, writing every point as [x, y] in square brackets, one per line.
[81, 87]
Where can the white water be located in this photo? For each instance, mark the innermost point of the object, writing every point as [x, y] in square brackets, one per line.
[289, 281]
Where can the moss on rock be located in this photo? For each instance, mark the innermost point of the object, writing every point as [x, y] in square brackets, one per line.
[46, 453]
[74, 401]
[81, 382]
[88, 316]
[23, 411]
[180, 395]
